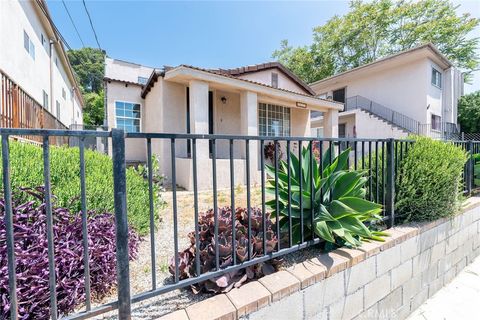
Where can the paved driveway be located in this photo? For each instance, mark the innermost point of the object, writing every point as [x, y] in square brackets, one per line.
[459, 300]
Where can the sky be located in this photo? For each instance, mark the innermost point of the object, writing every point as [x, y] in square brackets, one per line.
[215, 34]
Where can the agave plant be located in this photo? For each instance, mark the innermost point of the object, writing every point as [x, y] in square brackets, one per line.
[340, 210]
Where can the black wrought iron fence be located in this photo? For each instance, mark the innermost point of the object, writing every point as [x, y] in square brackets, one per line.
[380, 158]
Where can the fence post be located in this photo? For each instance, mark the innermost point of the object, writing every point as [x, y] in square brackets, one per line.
[390, 192]
[121, 224]
[469, 172]
[12, 275]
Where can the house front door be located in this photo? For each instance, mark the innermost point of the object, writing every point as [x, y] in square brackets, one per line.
[339, 95]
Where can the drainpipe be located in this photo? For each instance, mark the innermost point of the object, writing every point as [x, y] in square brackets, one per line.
[72, 123]
[105, 93]
[52, 42]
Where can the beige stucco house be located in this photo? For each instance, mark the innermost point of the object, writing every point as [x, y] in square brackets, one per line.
[414, 91]
[265, 100]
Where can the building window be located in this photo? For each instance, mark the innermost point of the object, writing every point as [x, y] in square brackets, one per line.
[64, 94]
[342, 130]
[127, 116]
[436, 122]
[28, 45]
[436, 78]
[45, 100]
[58, 109]
[274, 80]
[317, 132]
[44, 41]
[274, 120]
[142, 80]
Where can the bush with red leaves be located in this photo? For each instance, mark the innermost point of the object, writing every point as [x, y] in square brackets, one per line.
[30, 238]
[227, 281]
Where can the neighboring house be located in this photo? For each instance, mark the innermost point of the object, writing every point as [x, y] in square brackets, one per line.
[38, 89]
[414, 91]
[265, 100]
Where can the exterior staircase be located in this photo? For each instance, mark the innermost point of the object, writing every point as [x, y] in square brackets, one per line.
[399, 120]
[383, 113]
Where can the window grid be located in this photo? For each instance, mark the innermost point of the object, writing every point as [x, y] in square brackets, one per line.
[45, 100]
[436, 78]
[58, 109]
[127, 116]
[28, 45]
[436, 122]
[274, 120]
[274, 80]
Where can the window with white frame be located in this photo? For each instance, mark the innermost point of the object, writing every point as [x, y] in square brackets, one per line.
[436, 78]
[274, 80]
[28, 45]
[45, 100]
[436, 122]
[127, 116]
[274, 120]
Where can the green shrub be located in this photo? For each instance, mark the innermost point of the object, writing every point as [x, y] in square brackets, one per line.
[476, 170]
[340, 211]
[27, 171]
[429, 180]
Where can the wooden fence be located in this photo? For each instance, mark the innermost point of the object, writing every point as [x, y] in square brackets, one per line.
[20, 110]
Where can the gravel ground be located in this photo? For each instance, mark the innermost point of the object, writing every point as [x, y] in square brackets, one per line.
[140, 269]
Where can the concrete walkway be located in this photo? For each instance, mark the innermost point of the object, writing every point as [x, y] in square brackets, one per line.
[459, 300]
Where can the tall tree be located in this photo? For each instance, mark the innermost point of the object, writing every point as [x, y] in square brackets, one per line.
[469, 112]
[88, 64]
[374, 29]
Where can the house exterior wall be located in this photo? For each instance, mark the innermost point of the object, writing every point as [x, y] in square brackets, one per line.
[361, 124]
[368, 126]
[164, 110]
[33, 74]
[452, 91]
[118, 91]
[434, 94]
[405, 87]
[383, 87]
[127, 71]
[265, 77]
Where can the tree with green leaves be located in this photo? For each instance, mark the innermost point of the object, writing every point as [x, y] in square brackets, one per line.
[88, 64]
[469, 112]
[93, 113]
[374, 29]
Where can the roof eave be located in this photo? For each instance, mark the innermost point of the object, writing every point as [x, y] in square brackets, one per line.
[429, 46]
[188, 72]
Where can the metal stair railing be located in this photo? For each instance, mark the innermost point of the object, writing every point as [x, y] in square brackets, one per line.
[389, 115]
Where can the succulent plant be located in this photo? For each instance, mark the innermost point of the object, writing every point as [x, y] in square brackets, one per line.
[269, 151]
[340, 210]
[206, 228]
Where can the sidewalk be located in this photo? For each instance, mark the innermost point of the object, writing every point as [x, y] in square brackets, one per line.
[459, 300]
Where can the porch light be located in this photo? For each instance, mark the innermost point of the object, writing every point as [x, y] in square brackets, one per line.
[223, 99]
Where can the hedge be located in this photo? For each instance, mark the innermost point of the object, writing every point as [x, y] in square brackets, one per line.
[27, 172]
[429, 180]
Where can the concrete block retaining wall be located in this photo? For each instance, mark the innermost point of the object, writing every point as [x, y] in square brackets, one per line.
[380, 280]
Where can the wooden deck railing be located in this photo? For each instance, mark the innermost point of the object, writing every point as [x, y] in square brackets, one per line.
[20, 110]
